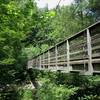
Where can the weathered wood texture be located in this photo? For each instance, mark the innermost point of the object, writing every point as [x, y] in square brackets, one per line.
[79, 53]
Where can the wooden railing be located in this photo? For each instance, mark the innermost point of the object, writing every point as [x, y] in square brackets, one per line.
[78, 53]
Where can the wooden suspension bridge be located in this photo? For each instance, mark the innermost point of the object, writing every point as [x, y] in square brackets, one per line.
[78, 53]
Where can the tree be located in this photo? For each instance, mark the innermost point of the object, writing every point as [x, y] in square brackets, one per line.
[15, 21]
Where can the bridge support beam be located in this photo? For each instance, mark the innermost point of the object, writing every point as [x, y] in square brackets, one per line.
[89, 51]
[56, 57]
[40, 62]
[68, 58]
[43, 61]
[48, 59]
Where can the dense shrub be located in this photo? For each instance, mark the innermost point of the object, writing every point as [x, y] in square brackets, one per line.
[51, 91]
[62, 86]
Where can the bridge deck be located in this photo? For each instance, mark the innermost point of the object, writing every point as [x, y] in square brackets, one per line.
[79, 53]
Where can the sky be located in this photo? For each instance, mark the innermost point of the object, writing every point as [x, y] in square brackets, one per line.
[52, 3]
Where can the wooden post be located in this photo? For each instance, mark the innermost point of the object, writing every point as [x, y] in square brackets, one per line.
[89, 50]
[68, 56]
[56, 56]
[43, 61]
[36, 62]
[40, 61]
[48, 59]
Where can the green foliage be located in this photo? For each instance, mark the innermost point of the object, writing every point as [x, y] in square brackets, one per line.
[30, 51]
[89, 97]
[25, 94]
[14, 92]
[51, 91]
[62, 86]
[14, 25]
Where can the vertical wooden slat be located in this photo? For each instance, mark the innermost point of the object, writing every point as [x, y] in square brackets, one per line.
[56, 55]
[36, 62]
[68, 56]
[48, 59]
[43, 61]
[89, 49]
[40, 61]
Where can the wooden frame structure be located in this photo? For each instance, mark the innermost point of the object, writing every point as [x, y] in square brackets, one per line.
[78, 53]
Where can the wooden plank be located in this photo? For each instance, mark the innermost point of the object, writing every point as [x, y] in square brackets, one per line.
[77, 62]
[56, 54]
[95, 55]
[40, 62]
[68, 55]
[64, 55]
[95, 36]
[43, 60]
[77, 52]
[72, 62]
[48, 58]
[96, 60]
[90, 67]
[96, 72]
[77, 71]
[78, 43]
[75, 48]
[95, 41]
[78, 57]
[95, 47]
[52, 57]
[64, 60]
